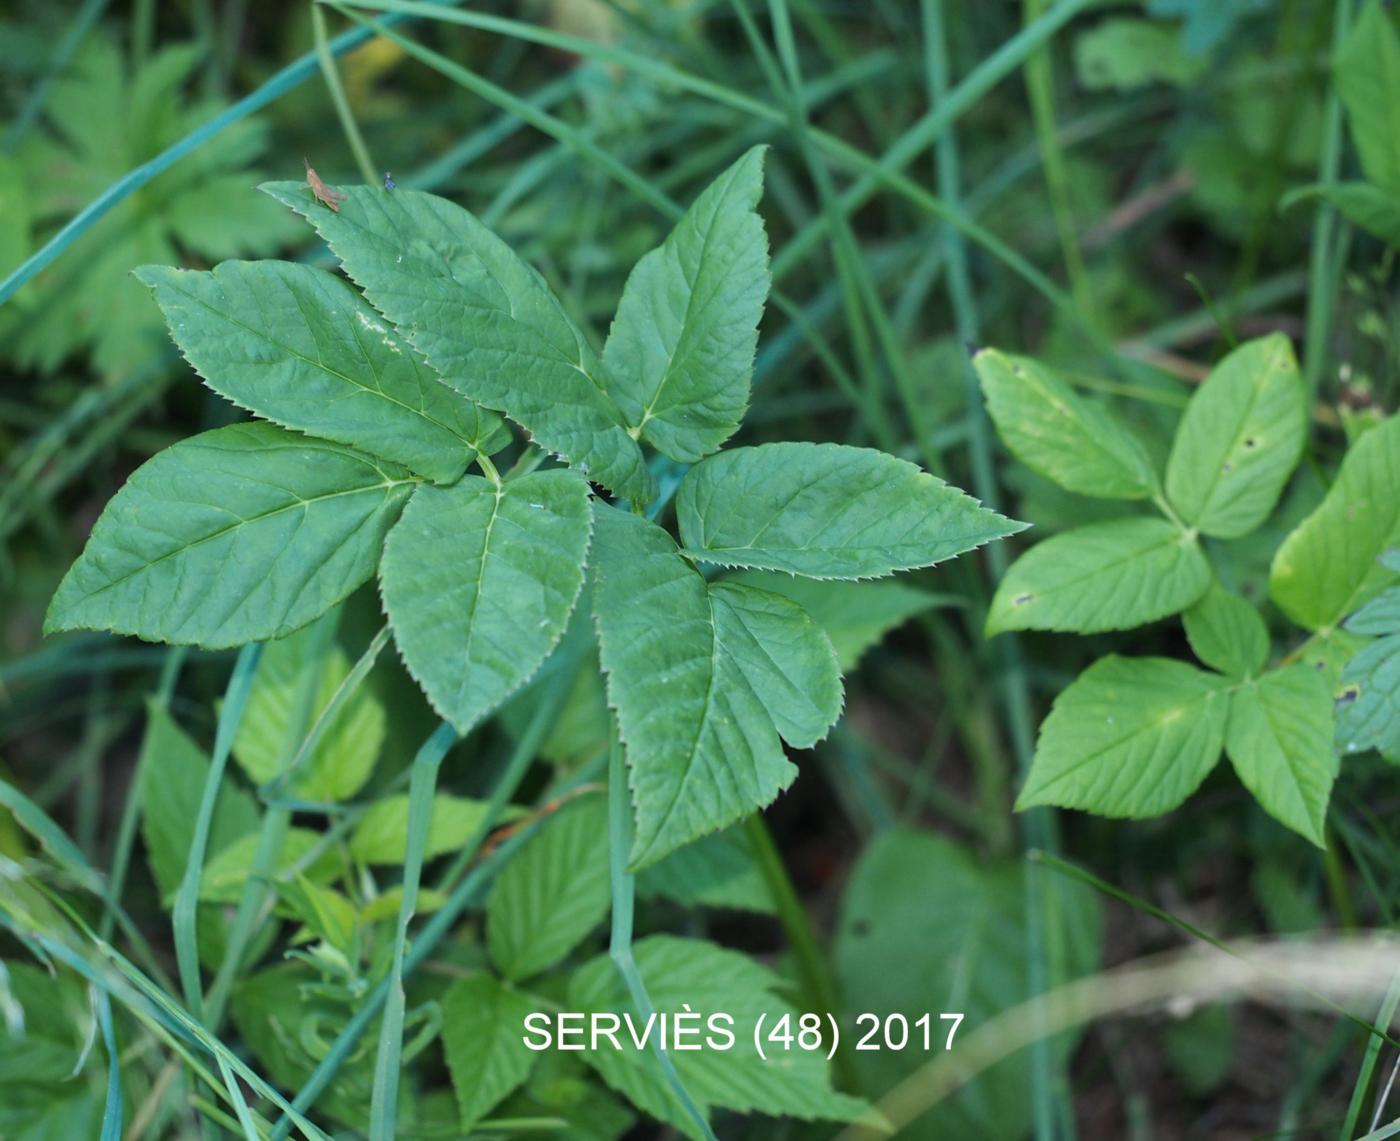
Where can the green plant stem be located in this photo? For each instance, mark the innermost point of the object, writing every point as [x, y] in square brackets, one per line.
[620, 938]
[185, 910]
[422, 786]
[326, 59]
[259, 885]
[1040, 87]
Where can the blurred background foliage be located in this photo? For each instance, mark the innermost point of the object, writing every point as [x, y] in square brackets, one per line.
[1135, 170]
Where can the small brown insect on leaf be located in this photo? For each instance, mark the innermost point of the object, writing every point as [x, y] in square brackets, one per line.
[321, 192]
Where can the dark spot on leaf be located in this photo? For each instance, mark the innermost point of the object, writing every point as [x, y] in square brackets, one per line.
[1348, 695]
[1226, 468]
[860, 928]
[1021, 599]
[1250, 442]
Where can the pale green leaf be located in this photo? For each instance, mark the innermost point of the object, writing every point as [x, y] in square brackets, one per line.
[826, 511]
[1129, 737]
[482, 1024]
[299, 346]
[479, 581]
[704, 678]
[387, 904]
[715, 871]
[689, 974]
[483, 318]
[325, 913]
[1064, 436]
[1239, 440]
[173, 770]
[553, 893]
[1227, 633]
[927, 925]
[1279, 738]
[1367, 74]
[1129, 53]
[1372, 207]
[1327, 567]
[855, 615]
[303, 851]
[1106, 576]
[381, 834]
[343, 758]
[680, 355]
[238, 535]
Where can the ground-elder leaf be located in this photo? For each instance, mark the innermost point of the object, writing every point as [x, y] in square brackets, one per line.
[1062, 435]
[1227, 633]
[299, 346]
[826, 511]
[1129, 737]
[238, 535]
[680, 355]
[483, 318]
[704, 678]
[479, 581]
[1106, 576]
[303, 851]
[380, 836]
[1240, 439]
[1279, 739]
[1328, 565]
[482, 1022]
[552, 893]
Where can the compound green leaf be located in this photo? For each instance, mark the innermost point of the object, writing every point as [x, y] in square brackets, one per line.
[482, 1023]
[680, 355]
[479, 581]
[1054, 431]
[1129, 737]
[1368, 707]
[172, 772]
[381, 834]
[1279, 738]
[299, 346]
[692, 976]
[1367, 74]
[1106, 576]
[1227, 633]
[483, 318]
[303, 851]
[704, 679]
[855, 615]
[238, 535]
[1328, 566]
[1239, 440]
[552, 893]
[343, 759]
[826, 511]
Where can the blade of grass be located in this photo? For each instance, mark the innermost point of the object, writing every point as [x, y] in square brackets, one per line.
[346, 116]
[184, 913]
[1368, 1061]
[620, 938]
[422, 786]
[112, 1109]
[78, 28]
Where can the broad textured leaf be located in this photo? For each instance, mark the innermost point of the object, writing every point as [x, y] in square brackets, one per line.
[1279, 738]
[826, 511]
[855, 615]
[173, 769]
[716, 871]
[1240, 439]
[325, 913]
[689, 974]
[381, 834]
[1227, 633]
[482, 1022]
[303, 850]
[553, 893]
[1129, 737]
[1327, 567]
[483, 318]
[1054, 431]
[479, 581]
[680, 355]
[1368, 707]
[1106, 576]
[926, 925]
[1128, 53]
[704, 678]
[1367, 75]
[242, 534]
[343, 759]
[299, 346]
[1373, 208]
